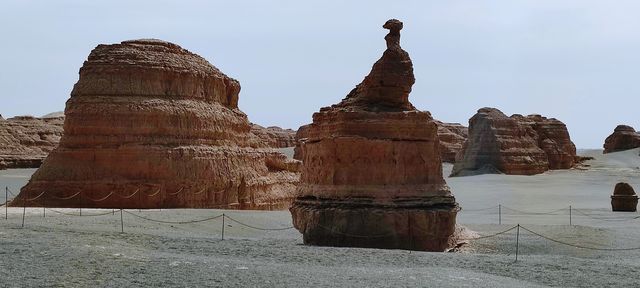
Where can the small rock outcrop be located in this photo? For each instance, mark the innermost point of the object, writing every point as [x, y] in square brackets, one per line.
[624, 198]
[515, 145]
[273, 136]
[452, 137]
[301, 136]
[25, 141]
[623, 138]
[151, 125]
[372, 174]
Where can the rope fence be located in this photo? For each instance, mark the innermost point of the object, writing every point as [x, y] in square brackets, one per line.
[222, 217]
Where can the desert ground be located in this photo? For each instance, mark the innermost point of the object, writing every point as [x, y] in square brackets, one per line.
[63, 249]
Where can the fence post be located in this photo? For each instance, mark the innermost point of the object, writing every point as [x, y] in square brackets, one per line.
[223, 226]
[6, 202]
[500, 214]
[24, 211]
[517, 240]
[570, 224]
[121, 222]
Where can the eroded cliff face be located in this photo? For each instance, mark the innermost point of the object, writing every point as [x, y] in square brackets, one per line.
[452, 137]
[623, 138]
[150, 125]
[26, 141]
[372, 174]
[515, 145]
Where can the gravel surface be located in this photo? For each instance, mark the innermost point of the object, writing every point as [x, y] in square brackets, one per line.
[61, 250]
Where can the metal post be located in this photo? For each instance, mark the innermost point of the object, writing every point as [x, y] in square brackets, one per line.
[223, 226]
[24, 211]
[121, 222]
[570, 224]
[6, 202]
[500, 214]
[517, 240]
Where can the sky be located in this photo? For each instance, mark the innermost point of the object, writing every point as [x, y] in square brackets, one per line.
[577, 61]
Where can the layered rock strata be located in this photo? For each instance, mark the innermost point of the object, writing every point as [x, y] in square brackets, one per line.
[273, 136]
[301, 137]
[372, 174]
[624, 198]
[452, 137]
[25, 141]
[623, 138]
[151, 125]
[515, 145]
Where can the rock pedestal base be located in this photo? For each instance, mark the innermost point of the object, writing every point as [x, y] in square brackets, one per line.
[410, 226]
[624, 203]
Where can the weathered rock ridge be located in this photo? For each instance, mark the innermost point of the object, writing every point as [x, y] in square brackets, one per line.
[25, 141]
[372, 174]
[273, 136]
[150, 125]
[452, 137]
[516, 145]
[623, 138]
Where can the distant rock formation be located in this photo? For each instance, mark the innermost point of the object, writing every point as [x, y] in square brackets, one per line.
[451, 137]
[623, 138]
[372, 174]
[624, 198]
[151, 125]
[553, 138]
[515, 145]
[25, 141]
[301, 136]
[274, 137]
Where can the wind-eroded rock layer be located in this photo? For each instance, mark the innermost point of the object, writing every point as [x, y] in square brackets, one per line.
[372, 174]
[26, 141]
[450, 135]
[151, 125]
[516, 145]
[623, 138]
[274, 137]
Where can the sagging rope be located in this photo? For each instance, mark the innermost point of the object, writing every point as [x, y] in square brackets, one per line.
[604, 219]
[176, 193]
[536, 213]
[482, 209]
[154, 194]
[68, 197]
[576, 245]
[127, 197]
[174, 222]
[78, 215]
[258, 228]
[29, 200]
[100, 199]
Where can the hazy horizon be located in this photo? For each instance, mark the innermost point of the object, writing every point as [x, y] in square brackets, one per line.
[570, 60]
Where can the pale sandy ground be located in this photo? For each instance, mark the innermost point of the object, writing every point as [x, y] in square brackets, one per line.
[67, 251]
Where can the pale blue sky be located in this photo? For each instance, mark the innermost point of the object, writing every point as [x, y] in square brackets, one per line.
[577, 61]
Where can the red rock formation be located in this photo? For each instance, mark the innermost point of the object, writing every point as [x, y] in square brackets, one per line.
[372, 174]
[452, 137]
[515, 145]
[25, 140]
[553, 138]
[624, 198]
[623, 138]
[301, 136]
[150, 125]
[274, 137]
